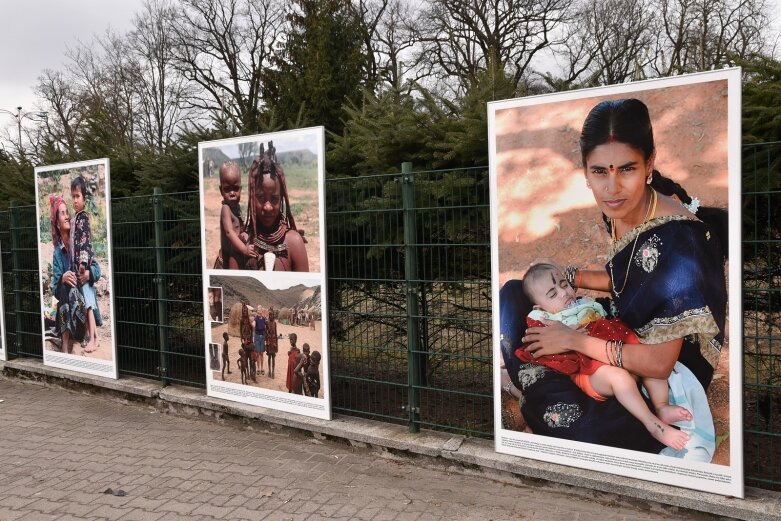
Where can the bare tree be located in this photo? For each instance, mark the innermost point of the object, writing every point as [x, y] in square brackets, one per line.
[107, 75]
[397, 43]
[608, 42]
[699, 35]
[223, 47]
[391, 30]
[371, 14]
[162, 90]
[60, 97]
[465, 37]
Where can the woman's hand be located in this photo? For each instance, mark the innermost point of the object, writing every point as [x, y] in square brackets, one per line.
[554, 339]
[69, 279]
[83, 277]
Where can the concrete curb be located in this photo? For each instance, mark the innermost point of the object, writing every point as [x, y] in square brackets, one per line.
[468, 454]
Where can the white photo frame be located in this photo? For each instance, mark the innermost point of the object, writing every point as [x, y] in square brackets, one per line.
[541, 207]
[301, 154]
[54, 180]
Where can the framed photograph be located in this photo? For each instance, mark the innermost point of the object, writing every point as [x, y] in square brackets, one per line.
[264, 261]
[616, 269]
[74, 259]
[216, 308]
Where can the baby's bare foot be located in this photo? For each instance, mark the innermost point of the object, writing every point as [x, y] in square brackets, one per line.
[673, 413]
[671, 437]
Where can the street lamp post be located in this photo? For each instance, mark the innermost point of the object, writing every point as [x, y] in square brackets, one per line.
[19, 116]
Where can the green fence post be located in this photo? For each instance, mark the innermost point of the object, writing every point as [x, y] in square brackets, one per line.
[411, 275]
[15, 265]
[160, 280]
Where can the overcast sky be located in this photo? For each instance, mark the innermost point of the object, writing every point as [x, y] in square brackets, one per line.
[36, 33]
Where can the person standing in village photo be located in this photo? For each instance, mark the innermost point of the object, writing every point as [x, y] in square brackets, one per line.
[271, 343]
[260, 337]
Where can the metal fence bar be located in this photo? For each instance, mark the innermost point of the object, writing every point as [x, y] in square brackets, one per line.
[160, 282]
[367, 306]
[411, 276]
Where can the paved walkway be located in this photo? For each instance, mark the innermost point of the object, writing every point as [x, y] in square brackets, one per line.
[60, 452]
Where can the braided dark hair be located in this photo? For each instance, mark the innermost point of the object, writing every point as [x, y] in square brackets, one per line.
[628, 121]
[717, 219]
[266, 164]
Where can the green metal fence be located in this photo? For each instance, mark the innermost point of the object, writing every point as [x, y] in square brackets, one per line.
[409, 297]
[762, 314]
[23, 284]
[6, 272]
[157, 287]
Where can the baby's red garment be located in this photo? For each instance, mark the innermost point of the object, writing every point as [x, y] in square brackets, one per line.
[571, 362]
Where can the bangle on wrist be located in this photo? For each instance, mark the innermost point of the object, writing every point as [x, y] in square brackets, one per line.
[570, 276]
[508, 388]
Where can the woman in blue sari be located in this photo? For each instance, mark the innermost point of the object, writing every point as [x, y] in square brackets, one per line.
[665, 275]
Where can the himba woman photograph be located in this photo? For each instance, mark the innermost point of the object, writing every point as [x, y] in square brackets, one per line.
[261, 212]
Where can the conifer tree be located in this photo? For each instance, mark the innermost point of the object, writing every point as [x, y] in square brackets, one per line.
[319, 67]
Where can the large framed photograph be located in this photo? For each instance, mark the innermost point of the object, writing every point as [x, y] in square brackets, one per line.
[74, 259]
[264, 268]
[616, 270]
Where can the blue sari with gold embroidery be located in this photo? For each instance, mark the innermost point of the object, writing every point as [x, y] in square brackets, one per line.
[670, 273]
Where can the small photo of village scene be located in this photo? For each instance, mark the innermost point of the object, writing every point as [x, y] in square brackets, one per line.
[272, 334]
[73, 250]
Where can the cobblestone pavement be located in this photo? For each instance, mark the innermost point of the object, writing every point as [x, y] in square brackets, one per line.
[61, 450]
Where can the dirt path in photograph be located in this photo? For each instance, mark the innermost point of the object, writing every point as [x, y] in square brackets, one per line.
[304, 334]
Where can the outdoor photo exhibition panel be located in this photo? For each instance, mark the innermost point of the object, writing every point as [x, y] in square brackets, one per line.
[74, 260]
[263, 232]
[630, 363]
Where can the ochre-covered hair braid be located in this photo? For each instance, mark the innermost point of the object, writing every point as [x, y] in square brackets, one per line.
[260, 166]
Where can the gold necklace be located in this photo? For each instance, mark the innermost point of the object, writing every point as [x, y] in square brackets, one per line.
[649, 215]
